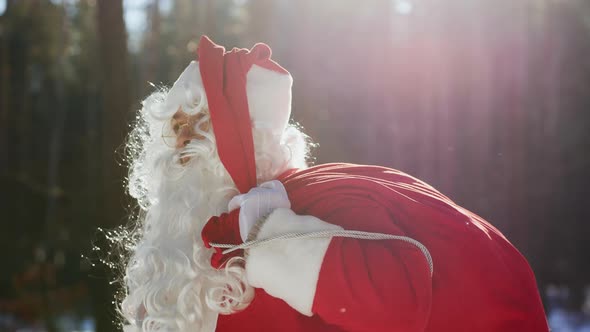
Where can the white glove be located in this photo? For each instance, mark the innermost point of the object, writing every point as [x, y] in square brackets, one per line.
[257, 203]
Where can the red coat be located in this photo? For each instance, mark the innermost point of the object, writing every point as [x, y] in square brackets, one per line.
[480, 282]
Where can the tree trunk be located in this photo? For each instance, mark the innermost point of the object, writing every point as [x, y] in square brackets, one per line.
[150, 60]
[115, 110]
[4, 97]
[261, 22]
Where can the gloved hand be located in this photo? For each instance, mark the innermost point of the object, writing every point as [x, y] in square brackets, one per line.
[222, 229]
[257, 203]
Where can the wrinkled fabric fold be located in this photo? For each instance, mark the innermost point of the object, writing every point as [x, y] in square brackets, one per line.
[224, 79]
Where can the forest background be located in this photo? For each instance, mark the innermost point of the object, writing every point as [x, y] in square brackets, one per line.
[487, 100]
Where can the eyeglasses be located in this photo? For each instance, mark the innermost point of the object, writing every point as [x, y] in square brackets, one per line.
[172, 129]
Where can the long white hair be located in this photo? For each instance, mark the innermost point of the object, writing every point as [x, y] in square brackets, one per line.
[169, 284]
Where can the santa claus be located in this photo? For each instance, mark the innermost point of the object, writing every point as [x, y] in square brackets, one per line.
[238, 234]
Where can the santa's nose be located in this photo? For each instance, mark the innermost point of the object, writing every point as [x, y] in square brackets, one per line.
[185, 135]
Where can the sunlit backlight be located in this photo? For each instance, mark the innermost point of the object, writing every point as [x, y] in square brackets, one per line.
[403, 7]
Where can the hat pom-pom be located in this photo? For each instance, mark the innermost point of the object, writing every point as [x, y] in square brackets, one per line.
[261, 52]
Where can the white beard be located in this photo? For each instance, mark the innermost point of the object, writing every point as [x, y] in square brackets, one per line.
[170, 284]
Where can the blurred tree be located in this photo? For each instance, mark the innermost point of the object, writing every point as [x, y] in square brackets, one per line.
[568, 231]
[115, 115]
[170, 41]
[486, 100]
[261, 20]
[150, 57]
[34, 60]
[116, 108]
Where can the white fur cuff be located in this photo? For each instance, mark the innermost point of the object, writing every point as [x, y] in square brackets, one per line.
[289, 269]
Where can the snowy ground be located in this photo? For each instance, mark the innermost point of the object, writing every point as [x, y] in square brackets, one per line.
[562, 319]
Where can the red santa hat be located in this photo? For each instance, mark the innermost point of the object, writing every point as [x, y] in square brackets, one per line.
[244, 89]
